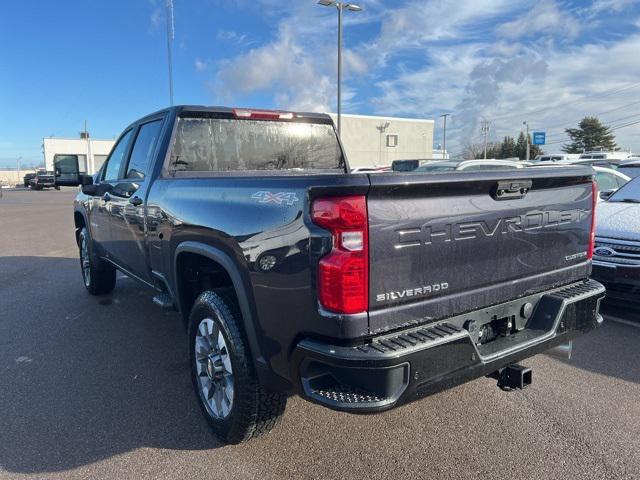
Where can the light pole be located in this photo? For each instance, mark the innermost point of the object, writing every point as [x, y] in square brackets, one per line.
[170, 37]
[340, 6]
[18, 171]
[444, 135]
[527, 139]
[485, 132]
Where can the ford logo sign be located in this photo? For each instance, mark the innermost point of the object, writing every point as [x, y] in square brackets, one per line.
[604, 252]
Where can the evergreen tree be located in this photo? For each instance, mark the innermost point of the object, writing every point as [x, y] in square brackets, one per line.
[508, 148]
[590, 135]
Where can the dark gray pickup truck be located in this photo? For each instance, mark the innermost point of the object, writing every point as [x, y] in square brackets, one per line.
[359, 292]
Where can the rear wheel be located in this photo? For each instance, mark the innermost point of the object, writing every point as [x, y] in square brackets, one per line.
[235, 405]
[99, 277]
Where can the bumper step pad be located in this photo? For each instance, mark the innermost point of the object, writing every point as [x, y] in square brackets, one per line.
[432, 333]
[347, 394]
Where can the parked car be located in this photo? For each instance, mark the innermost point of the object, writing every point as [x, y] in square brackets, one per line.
[26, 180]
[612, 157]
[616, 258]
[630, 168]
[43, 179]
[468, 165]
[358, 292]
[609, 180]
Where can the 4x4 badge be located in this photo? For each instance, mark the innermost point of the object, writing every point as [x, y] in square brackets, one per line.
[278, 198]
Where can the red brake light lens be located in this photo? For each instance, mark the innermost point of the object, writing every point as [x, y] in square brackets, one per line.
[343, 274]
[592, 233]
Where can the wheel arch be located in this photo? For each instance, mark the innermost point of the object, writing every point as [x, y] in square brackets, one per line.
[245, 299]
[80, 221]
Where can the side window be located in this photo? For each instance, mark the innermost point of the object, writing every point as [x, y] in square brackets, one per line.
[142, 150]
[606, 181]
[114, 162]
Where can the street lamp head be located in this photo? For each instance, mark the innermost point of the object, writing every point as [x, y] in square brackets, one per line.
[333, 3]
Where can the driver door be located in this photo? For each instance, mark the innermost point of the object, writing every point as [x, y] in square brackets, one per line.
[100, 216]
[128, 197]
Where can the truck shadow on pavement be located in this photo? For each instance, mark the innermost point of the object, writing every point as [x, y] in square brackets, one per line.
[86, 378]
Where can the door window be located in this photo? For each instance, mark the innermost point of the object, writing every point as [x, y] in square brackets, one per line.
[606, 181]
[143, 149]
[116, 159]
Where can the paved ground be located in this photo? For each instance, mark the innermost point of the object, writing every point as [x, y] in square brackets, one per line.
[99, 388]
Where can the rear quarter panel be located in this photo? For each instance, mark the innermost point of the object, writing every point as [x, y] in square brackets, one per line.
[250, 217]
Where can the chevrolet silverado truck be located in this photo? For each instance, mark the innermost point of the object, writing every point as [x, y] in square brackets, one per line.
[43, 179]
[358, 292]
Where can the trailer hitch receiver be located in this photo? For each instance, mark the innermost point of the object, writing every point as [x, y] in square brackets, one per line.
[513, 377]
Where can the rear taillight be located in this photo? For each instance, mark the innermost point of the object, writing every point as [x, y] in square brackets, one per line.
[343, 274]
[592, 233]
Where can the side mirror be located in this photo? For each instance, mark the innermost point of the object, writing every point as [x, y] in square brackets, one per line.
[85, 179]
[605, 194]
[86, 185]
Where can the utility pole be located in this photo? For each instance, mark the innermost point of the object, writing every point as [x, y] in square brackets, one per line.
[485, 132]
[444, 135]
[527, 139]
[170, 36]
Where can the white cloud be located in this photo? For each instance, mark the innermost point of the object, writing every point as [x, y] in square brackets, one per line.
[156, 19]
[529, 67]
[544, 17]
[231, 36]
[200, 65]
[599, 6]
[281, 66]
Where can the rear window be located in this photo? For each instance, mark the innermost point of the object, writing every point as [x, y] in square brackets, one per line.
[630, 171]
[223, 145]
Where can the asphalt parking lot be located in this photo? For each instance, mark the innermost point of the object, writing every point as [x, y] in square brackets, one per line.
[99, 388]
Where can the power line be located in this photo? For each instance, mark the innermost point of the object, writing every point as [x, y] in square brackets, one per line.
[603, 94]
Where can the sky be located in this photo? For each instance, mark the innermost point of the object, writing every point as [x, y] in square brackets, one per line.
[546, 62]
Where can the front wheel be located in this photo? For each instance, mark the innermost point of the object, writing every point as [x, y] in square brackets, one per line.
[235, 405]
[99, 277]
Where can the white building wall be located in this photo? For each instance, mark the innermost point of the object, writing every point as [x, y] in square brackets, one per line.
[365, 139]
[94, 151]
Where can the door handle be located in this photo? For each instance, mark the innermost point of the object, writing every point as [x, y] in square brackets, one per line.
[137, 201]
[106, 197]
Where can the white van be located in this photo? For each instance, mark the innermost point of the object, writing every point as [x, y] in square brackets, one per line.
[556, 157]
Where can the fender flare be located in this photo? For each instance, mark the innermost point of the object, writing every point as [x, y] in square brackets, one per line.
[85, 218]
[245, 304]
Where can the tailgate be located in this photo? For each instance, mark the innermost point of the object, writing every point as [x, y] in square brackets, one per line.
[442, 244]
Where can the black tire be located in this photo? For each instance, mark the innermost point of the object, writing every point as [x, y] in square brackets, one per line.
[57, 187]
[254, 411]
[99, 277]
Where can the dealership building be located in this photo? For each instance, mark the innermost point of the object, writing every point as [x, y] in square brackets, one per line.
[368, 141]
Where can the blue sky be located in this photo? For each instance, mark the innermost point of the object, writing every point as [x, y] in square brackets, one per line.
[549, 62]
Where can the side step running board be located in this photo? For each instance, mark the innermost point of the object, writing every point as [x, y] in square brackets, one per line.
[164, 301]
